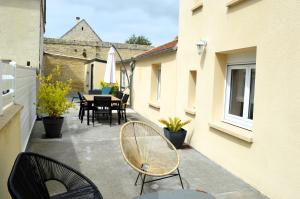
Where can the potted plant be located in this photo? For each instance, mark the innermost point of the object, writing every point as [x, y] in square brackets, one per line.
[113, 87]
[174, 131]
[52, 101]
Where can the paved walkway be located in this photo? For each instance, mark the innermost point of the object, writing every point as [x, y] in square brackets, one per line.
[95, 152]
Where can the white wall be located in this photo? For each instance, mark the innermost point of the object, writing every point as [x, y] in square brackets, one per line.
[21, 31]
[26, 96]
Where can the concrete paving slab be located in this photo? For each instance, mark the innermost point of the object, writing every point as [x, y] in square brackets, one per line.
[95, 152]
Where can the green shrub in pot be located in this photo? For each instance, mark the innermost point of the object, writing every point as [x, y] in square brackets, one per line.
[173, 130]
[52, 101]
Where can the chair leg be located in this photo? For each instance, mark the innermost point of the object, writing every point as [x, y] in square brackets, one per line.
[119, 117]
[125, 115]
[82, 115]
[93, 117]
[180, 178]
[143, 184]
[110, 118]
[80, 110]
[137, 179]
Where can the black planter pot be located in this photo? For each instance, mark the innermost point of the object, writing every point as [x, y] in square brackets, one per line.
[53, 126]
[176, 139]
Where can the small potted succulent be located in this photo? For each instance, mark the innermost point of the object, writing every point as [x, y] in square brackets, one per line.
[173, 130]
[52, 101]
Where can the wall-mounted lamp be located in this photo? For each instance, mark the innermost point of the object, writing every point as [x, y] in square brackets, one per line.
[201, 46]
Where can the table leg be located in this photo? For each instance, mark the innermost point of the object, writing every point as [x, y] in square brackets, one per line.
[119, 117]
[88, 117]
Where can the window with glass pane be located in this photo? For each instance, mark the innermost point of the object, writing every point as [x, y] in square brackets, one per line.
[237, 92]
[252, 89]
[123, 79]
[158, 83]
[239, 102]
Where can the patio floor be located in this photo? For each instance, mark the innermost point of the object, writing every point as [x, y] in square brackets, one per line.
[95, 152]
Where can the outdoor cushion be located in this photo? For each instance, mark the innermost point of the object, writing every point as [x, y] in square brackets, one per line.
[106, 90]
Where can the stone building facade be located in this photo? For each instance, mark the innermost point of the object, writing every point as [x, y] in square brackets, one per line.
[72, 53]
[82, 31]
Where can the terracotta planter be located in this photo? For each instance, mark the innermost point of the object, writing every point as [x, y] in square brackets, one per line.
[177, 139]
[53, 126]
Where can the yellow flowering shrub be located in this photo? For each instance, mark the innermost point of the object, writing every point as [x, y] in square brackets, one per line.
[114, 87]
[52, 94]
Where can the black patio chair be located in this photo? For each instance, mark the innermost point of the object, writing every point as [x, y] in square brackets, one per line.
[116, 105]
[102, 105]
[31, 171]
[84, 106]
[123, 106]
[95, 92]
[119, 94]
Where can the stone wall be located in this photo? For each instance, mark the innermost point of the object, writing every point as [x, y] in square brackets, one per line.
[73, 55]
[72, 68]
[93, 49]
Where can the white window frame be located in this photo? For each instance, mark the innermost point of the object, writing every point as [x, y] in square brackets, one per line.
[158, 83]
[243, 121]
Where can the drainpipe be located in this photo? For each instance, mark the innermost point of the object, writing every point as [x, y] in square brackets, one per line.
[132, 67]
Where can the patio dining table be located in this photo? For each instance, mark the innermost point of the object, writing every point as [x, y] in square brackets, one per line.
[90, 101]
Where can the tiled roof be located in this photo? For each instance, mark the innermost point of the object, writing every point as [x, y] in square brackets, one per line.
[168, 47]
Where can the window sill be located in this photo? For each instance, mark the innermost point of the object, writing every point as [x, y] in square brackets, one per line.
[191, 111]
[154, 104]
[233, 3]
[197, 7]
[8, 114]
[232, 130]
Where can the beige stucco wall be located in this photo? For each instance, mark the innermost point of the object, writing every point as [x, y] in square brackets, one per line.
[10, 145]
[141, 93]
[271, 29]
[21, 31]
[99, 71]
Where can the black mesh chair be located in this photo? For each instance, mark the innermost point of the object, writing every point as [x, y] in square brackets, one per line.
[102, 105]
[31, 171]
[123, 106]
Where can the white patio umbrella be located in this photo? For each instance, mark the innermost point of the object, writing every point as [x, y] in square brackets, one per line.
[110, 70]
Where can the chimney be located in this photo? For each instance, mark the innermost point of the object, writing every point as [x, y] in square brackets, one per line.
[77, 20]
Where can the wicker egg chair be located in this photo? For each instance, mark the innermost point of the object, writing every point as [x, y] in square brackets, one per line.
[148, 152]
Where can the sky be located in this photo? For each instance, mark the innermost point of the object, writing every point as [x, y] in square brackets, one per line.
[116, 20]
